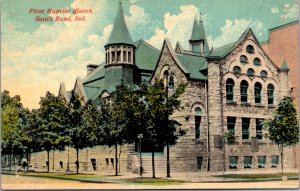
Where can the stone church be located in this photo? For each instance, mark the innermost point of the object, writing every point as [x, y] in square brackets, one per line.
[230, 88]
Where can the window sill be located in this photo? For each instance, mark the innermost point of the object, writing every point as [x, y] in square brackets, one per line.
[271, 106]
[259, 105]
[245, 103]
[231, 103]
[199, 141]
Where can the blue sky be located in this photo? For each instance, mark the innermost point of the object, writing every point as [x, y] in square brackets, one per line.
[37, 56]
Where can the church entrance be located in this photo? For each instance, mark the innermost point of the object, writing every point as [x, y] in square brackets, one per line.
[148, 147]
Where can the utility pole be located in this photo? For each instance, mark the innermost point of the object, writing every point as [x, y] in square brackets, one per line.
[166, 75]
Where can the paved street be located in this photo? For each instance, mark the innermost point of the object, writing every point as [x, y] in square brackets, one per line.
[21, 182]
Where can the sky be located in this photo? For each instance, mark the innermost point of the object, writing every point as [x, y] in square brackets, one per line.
[37, 56]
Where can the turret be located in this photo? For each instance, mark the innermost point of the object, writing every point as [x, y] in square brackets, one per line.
[198, 42]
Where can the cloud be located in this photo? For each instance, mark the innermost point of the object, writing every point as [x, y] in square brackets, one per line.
[274, 10]
[293, 11]
[233, 29]
[133, 1]
[176, 27]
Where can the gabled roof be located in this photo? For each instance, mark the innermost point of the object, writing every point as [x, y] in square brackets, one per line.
[79, 85]
[119, 33]
[63, 92]
[193, 64]
[146, 55]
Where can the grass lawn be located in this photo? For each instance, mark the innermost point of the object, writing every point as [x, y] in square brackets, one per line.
[254, 176]
[63, 176]
[153, 181]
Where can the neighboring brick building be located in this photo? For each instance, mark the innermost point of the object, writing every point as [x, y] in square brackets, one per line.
[283, 44]
[231, 88]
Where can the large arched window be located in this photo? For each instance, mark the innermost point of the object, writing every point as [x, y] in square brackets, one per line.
[198, 113]
[257, 92]
[244, 91]
[229, 90]
[270, 90]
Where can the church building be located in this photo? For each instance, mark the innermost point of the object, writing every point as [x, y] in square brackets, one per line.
[231, 88]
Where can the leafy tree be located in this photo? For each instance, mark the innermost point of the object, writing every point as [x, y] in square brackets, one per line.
[113, 122]
[284, 127]
[53, 116]
[82, 124]
[161, 130]
[11, 107]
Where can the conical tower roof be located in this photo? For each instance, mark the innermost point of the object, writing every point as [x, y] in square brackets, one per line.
[198, 32]
[119, 33]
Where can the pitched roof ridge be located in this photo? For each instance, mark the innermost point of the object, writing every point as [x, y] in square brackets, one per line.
[150, 45]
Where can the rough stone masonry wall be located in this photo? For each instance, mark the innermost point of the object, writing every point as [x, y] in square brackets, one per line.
[183, 155]
[99, 153]
[251, 110]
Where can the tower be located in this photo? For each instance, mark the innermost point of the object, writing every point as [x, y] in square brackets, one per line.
[119, 54]
[198, 42]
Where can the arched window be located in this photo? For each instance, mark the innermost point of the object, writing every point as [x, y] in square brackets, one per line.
[229, 90]
[256, 62]
[243, 59]
[270, 90]
[250, 72]
[244, 91]
[236, 70]
[250, 49]
[263, 74]
[257, 92]
[198, 114]
[171, 82]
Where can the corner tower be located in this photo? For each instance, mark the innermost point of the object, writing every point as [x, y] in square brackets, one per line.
[198, 42]
[119, 54]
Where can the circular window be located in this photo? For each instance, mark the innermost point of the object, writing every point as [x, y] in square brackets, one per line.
[250, 72]
[236, 70]
[256, 62]
[263, 74]
[243, 59]
[250, 49]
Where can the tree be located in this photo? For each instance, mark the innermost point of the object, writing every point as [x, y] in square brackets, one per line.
[11, 107]
[284, 127]
[161, 130]
[82, 124]
[53, 115]
[117, 121]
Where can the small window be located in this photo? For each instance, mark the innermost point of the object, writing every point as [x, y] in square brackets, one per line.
[250, 72]
[231, 124]
[275, 161]
[129, 57]
[93, 161]
[171, 82]
[199, 163]
[243, 59]
[270, 90]
[229, 90]
[112, 162]
[61, 164]
[233, 162]
[236, 70]
[257, 62]
[244, 91]
[107, 162]
[124, 56]
[118, 56]
[245, 128]
[197, 122]
[263, 74]
[259, 128]
[113, 57]
[257, 92]
[248, 162]
[261, 161]
[250, 49]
